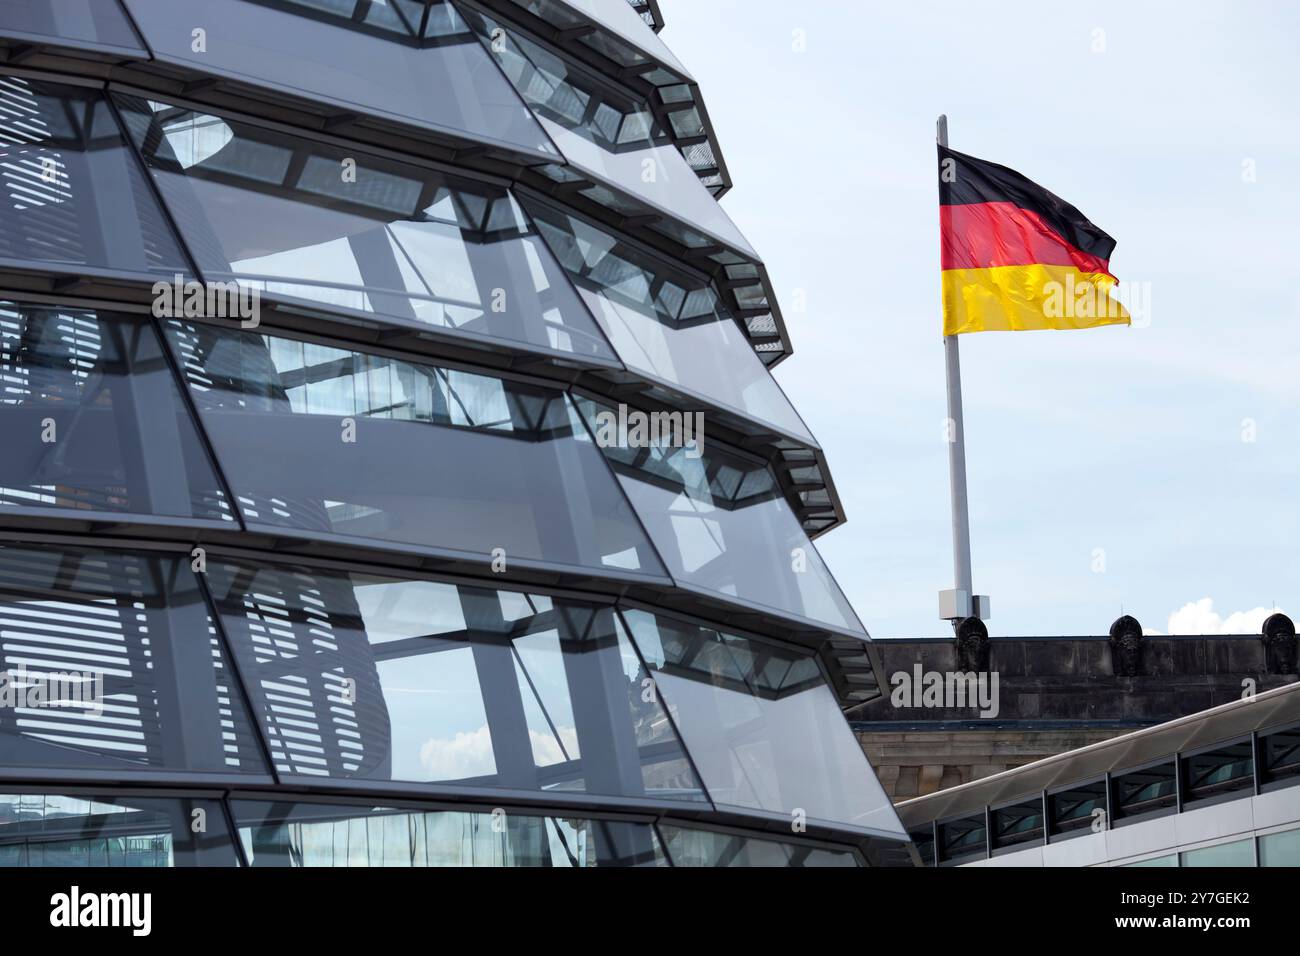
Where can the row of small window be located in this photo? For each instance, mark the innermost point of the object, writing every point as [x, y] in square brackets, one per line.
[134, 664]
[317, 441]
[50, 829]
[318, 227]
[381, 58]
[1221, 772]
[1273, 849]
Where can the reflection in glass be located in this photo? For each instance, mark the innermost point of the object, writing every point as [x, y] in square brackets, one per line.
[421, 681]
[668, 325]
[81, 23]
[302, 221]
[706, 848]
[761, 725]
[562, 92]
[1280, 849]
[311, 835]
[722, 525]
[1238, 854]
[373, 58]
[72, 195]
[91, 418]
[364, 446]
[41, 829]
[139, 623]
[1221, 771]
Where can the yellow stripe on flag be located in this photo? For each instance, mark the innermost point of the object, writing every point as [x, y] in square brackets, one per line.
[1021, 298]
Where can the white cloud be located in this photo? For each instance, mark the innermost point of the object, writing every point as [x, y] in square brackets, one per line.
[465, 755]
[1199, 617]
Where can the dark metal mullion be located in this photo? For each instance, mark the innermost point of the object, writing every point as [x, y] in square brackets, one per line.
[620, 620]
[250, 702]
[546, 714]
[232, 825]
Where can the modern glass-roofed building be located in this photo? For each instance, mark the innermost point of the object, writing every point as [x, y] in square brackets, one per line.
[315, 548]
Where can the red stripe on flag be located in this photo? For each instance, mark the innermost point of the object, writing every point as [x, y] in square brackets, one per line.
[989, 234]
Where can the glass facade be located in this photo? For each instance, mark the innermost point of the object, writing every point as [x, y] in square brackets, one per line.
[300, 221]
[111, 661]
[666, 324]
[486, 464]
[93, 419]
[419, 681]
[51, 829]
[722, 525]
[90, 24]
[74, 198]
[315, 549]
[762, 726]
[382, 66]
[318, 835]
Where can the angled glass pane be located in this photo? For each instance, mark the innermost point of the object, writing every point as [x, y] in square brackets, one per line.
[720, 521]
[357, 677]
[375, 449]
[572, 96]
[691, 847]
[300, 221]
[626, 40]
[761, 725]
[281, 833]
[381, 65]
[88, 24]
[668, 325]
[606, 135]
[73, 195]
[109, 661]
[53, 829]
[92, 419]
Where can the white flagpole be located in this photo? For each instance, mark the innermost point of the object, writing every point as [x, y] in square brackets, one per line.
[962, 604]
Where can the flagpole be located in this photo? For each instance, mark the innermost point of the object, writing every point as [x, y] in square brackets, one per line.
[962, 604]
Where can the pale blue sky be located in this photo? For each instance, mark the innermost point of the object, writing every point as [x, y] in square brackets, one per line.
[1127, 440]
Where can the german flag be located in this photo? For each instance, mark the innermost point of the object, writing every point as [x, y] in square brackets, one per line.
[1016, 257]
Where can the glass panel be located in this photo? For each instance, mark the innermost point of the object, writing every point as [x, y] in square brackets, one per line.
[95, 24]
[761, 725]
[312, 834]
[1159, 861]
[1280, 754]
[628, 40]
[305, 222]
[1018, 825]
[665, 324]
[657, 177]
[420, 681]
[110, 662]
[720, 522]
[1074, 810]
[424, 458]
[564, 93]
[42, 829]
[706, 848]
[72, 193]
[963, 839]
[924, 841]
[1241, 853]
[1280, 849]
[377, 67]
[1222, 771]
[91, 419]
[1145, 791]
